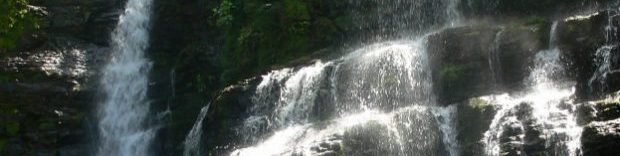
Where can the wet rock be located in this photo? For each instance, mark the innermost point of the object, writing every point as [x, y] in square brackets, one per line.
[480, 60]
[474, 117]
[607, 111]
[502, 9]
[601, 110]
[459, 60]
[370, 139]
[330, 146]
[579, 38]
[601, 138]
[226, 114]
[523, 135]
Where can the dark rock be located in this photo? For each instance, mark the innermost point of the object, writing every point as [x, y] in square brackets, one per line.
[524, 135]
[474, 117]
[579, 39]
[370, 139]
[48, 83]
[461, 59]
[225, 114]
[601, 110]
[601, 138]
[503, 9]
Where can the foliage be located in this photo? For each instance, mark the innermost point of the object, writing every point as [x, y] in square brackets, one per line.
[260, 34]
[224, 13]
[15, 18]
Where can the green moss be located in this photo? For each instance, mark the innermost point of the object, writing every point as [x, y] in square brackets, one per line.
[478, 104]
[451, 73]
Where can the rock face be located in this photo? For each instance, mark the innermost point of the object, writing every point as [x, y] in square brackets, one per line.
[508, 8]
[48, 83]
[474, 117]
[601, 138]
[479, 60]
[223, 117]
[580, 39]
[601, 133]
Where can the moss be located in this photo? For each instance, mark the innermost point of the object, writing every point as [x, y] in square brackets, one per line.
[478, 104]
[451, 73]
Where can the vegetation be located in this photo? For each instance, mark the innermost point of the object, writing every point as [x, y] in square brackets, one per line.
[15, 19]
[261, 34]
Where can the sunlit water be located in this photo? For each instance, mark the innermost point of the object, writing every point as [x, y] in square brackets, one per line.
[544, 112]
[124, 111]
[382, 91]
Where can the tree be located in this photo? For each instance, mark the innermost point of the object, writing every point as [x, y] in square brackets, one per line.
[15, 18]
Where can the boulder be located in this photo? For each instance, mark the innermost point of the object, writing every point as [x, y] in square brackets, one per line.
[480, 60]
[601, 138]
[226, 114]
[474, 117]
[579, 38]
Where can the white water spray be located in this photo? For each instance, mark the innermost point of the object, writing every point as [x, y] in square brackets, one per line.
[381, 91]
[191, 145]
[123, 128]
[603, 55]
[545, 108]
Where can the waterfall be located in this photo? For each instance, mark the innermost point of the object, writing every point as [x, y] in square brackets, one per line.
[494, 61]
[603, 55]
[382, 20]
[191, 145]
[446, 117]
[123, 128]
[454, 16]
[542, 118]
[381, 92]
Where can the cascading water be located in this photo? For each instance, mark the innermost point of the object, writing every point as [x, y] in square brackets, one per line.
[383, 20]
[123, 113]
[494, 62]
[543, 118]
[377, 100]
[381, 92]
[603, 55]
[191, 145]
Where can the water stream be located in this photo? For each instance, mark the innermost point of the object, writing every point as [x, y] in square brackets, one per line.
[123, 126]
[603, 56]
[381, 91]
[542, 117]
